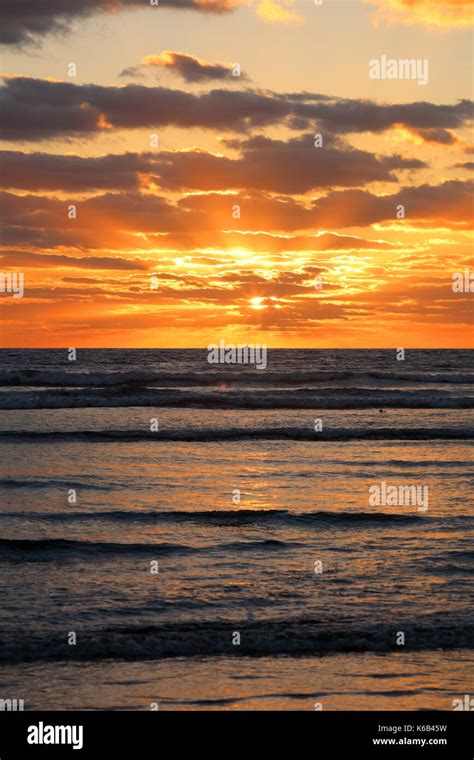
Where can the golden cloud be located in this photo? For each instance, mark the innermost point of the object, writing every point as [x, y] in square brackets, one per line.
[438, 13]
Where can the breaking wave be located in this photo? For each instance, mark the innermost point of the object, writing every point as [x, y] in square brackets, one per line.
[235, 434]
[263, 638]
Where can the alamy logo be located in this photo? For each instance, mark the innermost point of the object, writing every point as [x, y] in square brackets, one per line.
[42, 734]
[463, 704]
[12, 282]
[229, 353]
[463, 282]
[12, 705]
[404, 68]
[399, 496]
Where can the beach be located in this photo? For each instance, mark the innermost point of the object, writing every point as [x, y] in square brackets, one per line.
[206, 531]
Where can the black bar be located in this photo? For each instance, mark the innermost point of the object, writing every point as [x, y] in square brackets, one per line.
[239, 734]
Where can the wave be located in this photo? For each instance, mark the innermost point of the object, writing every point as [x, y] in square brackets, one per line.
[239, 374]
[222, 517]
[298, 398]
[235, 434]
[57, 548]
[263, 638]
[449, 570]
[458, 554]
[12, 483]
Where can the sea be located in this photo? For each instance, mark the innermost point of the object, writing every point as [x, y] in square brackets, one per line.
[180, 535]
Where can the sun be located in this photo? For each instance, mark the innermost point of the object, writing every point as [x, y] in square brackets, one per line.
[257, 302]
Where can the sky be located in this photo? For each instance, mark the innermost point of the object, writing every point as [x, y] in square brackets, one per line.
[197, 170]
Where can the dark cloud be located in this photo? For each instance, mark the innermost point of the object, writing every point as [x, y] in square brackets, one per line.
[348, 115]
[441, 136]
[190, 68]
[54, 235]
[468, 165]
[449, 203]
[26, 21]
[199, 221]
[45, 171]
[40, 260]
[292, 166]
[101, 220]
[280, 166]
[35, 109]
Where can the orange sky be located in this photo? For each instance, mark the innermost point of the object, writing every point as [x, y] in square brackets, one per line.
[152, 198]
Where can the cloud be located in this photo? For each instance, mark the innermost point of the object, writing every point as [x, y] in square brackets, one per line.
[437, 13]
[34, 109]
[39, 260]
[448, 204]
[280, 166]
[292, 166]
[468, 165]
[45, 171]
[279, 12]
[109, 212]
[436, 135]
[272, 244]
[37, 109]
[26, 21]
[135, 221]
[190, 68]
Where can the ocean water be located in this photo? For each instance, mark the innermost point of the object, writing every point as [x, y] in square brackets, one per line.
[277, 581]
